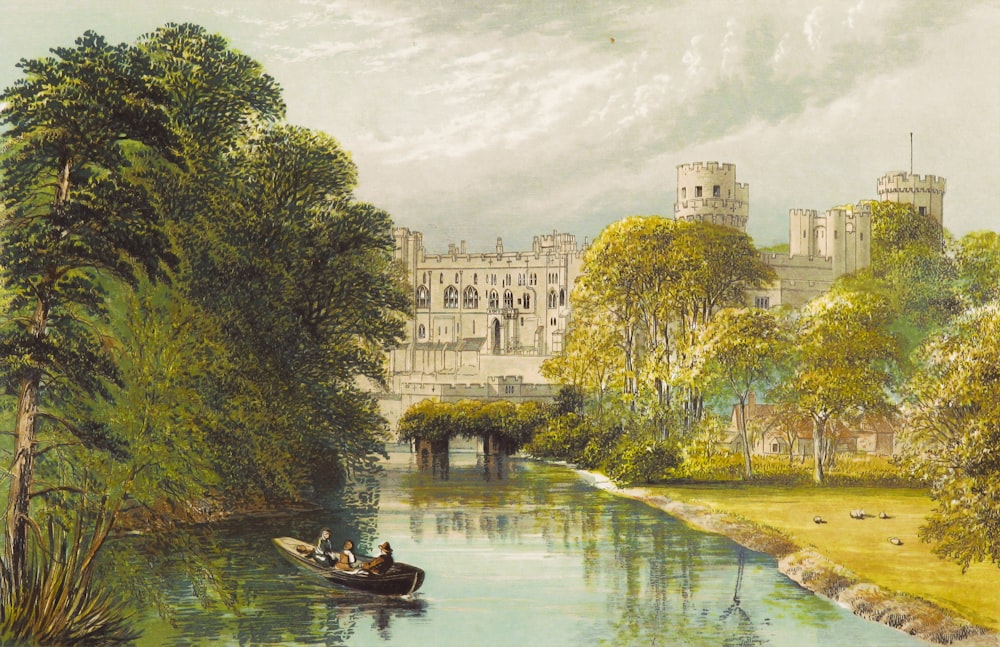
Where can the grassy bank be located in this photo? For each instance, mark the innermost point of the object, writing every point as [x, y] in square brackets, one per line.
[861, 546]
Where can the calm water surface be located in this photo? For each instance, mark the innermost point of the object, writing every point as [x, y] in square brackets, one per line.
[516, 553]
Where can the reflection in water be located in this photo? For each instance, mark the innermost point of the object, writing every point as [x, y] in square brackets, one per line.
[516, 552]
[436, 463]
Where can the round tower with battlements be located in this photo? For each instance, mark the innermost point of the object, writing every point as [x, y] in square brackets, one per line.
[709, 192]
[925, 193]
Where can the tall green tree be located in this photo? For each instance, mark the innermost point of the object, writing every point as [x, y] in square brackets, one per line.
[952, 433]
[978, 259]
[842, 362]
[911, 268]
[79, 126]
[739, 348]
[715, 264]
[301, 275]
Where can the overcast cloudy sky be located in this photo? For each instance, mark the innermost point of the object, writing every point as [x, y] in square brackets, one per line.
[472, 120]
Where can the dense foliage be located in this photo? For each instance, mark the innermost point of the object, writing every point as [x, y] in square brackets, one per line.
[498, 424]
[192, 297]
[953, 435]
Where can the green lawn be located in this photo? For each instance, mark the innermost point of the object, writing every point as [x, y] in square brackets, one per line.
[861, 545]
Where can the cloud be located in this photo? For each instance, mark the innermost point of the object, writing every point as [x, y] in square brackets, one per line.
[692, 57]
[813, 29]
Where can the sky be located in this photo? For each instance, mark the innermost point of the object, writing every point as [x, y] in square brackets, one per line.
[470, 121]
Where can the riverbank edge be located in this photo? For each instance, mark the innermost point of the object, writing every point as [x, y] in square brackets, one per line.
[814, 572]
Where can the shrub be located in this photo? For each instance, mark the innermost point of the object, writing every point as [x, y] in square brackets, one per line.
[850, 470]
[642, 462]
[564, 438]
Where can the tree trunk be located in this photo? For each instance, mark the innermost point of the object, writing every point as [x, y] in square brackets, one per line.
[22, 471]
[22, 474]
[819, 430]
[741, 423]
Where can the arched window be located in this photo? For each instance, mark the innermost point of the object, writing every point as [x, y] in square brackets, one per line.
[475, 279]
[508, 299]
[527, 301]
[553, 299]
[494, 300]
[451, 297]
[421, 331]
[470, 298]
[441, 278]
[562, 297]
[423, 297]
[457, 278]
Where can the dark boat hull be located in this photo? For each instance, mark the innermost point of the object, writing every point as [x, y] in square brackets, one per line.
[402, 579]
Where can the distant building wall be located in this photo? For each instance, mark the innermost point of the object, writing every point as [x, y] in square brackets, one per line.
[481, 319]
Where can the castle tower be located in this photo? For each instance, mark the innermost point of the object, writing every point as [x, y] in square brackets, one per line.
[849, 230]
[709, 192]
[925, 193]
[803, 239]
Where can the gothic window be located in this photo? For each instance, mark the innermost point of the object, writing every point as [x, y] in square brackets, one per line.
[423, 297]
[553, 299]
[508, 299]
[470, 298]
[562, 297]
[494, 299]
[527, 301]
[475, 279]
[441, 278]
[457, 278]
[451, 297]
[421, 331]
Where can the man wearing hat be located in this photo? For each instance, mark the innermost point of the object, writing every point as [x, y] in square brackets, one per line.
[381, 564]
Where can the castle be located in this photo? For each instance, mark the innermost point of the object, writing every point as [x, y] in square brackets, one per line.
[485, 321]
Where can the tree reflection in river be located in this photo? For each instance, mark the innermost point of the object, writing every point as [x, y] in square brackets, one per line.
[529, 554]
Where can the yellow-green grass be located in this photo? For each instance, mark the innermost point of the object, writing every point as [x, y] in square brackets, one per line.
[862, 546]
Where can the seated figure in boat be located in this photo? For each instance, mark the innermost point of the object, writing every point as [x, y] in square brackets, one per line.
[381, 564]
[324, 553]
[346, 561]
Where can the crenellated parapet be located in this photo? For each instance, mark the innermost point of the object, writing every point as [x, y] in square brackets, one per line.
[903, 182]
[925, 193]
[709, 192]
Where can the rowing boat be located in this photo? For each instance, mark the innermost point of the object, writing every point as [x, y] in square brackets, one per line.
[402, 579]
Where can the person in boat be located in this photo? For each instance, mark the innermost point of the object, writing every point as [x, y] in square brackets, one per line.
[324, 552]
[381, 564]
[346, 560]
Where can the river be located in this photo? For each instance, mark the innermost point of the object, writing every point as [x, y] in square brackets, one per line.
[517, 552]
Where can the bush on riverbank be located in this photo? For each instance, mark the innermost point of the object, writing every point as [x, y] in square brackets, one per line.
[848, 471]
